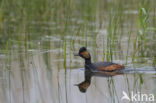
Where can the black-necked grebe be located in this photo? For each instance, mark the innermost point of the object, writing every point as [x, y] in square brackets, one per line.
[99, 66]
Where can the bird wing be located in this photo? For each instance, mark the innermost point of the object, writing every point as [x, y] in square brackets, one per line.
[108, 66]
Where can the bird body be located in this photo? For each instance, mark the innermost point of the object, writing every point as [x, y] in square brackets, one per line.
[104, 66]
[99, 66]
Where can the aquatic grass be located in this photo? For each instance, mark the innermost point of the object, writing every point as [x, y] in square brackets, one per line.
[154, 62]
[138, 82]
[22, 9]
[95, 47]
[134, 50]
[58, 83]
[109, 39]
[88, 10]
[70, 54]
[8, 56]
[142, 31]
[86, 39]
[128, 84]
[66, 91]
[112, 89]
[129, 37]
[115, 28]
[120, 27]
[8, 66]
[109, 88]
[65, 68]
[103, 57]
[82, 28]
[1, 13]
[141, 79]
[65, 55]
[23, 66]
[142, 26]
[46, 55]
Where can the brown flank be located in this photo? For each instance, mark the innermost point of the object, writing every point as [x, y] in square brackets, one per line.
[112, 67]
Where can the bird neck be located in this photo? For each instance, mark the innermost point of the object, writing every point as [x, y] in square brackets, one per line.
[88, 61]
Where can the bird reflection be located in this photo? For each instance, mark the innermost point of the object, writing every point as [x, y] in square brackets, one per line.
[83, 86]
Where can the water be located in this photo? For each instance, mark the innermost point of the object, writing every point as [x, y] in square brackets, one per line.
[38, 41]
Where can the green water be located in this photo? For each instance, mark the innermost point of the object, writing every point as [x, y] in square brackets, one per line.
[39, 37]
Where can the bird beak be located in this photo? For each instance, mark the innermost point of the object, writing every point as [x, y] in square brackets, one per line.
[76, 55]
[75, 84]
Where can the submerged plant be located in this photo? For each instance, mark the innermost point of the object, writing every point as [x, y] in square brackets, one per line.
[143, 26]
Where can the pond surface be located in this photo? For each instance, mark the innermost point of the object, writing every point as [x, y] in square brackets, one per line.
[38, 40]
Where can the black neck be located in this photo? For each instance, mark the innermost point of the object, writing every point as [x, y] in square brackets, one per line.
[88, 61]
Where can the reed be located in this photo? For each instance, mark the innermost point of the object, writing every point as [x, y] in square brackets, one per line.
[65, 54]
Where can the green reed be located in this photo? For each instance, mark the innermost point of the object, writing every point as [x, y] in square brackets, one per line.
[154, 62]
[115, 23]
[142, 27]
[8, 59]
[128, 46]
[65, 54]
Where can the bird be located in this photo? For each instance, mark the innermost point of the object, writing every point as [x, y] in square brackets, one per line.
[98, 66]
